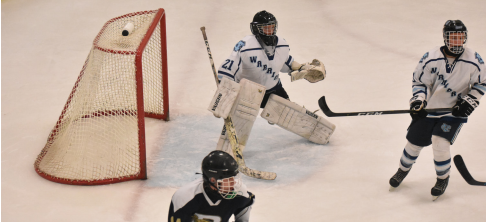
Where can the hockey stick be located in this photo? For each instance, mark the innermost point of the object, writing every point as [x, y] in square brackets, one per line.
[459, 162]
[323, 106]
[231, 132]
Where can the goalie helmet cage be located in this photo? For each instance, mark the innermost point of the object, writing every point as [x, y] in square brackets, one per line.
[100, 136]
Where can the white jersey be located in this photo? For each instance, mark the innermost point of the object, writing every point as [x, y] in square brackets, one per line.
[249, 60]
[441, 83]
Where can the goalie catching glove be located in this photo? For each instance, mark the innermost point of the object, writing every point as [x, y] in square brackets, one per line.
[312, 72]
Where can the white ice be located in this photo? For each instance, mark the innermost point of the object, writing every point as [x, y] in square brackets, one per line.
[370, 49]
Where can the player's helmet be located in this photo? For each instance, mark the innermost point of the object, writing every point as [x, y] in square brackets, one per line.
[221, 170]
[264, 26]
[455, 36]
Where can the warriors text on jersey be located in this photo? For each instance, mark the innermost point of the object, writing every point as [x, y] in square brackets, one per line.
[249, 60]
[194, 203]
[442, 82]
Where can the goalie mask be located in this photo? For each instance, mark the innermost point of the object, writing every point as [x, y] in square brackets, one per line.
[264, 26]
[220, 170]
[455, 36]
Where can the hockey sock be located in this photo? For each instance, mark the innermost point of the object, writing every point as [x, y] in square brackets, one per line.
[442, 156]
[409, 156]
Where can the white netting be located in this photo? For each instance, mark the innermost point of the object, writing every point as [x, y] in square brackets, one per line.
[97, 136]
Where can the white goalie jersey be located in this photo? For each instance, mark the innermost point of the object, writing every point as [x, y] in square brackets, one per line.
[442, 83]
[249, 60]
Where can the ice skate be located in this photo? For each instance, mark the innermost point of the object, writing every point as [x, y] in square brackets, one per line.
[439, 188]
[397, 179]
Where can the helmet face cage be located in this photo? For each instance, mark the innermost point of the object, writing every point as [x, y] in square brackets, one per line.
[267, 29]
[455, 41]
[229, 187]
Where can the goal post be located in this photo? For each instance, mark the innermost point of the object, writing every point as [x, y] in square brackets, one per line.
[99, 137]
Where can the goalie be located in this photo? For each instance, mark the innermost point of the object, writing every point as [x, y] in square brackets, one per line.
[250, 81]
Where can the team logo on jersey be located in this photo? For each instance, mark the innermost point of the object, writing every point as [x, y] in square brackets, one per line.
[480, 60]
[423, 57]
[239, 45]
[445, 127]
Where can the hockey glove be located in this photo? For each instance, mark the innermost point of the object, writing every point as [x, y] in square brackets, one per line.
[465, 106]
[417, 109]
[312, 72]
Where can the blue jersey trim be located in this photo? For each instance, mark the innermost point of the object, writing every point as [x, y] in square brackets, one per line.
[227, 74]
[471, 63]
[431, 61]
[282, 46]
[238, 66]
[242, 51]
[418, 92]
[288, 62]
[478, 90]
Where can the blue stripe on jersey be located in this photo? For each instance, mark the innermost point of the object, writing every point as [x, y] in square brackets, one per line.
[431, 61]
[227, 74]
[238, 66]
[288, 62]
[418, 92]
[481, 87]
[478, 90]
[282, 46]
[251, 49]
[419, 88]
[420, 77]
[471, 63]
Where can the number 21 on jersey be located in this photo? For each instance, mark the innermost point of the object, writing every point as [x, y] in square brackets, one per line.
[227, 62]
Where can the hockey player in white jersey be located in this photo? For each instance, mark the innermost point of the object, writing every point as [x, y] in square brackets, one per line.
[216, 196]
[448, 76]
[254, 66]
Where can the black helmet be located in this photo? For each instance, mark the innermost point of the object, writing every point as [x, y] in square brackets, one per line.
[455, 27]
[261, 19]
[220, 170]
[218, 165]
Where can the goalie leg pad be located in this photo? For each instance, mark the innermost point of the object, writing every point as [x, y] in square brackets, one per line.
[243, 114]
[298, 120]
[224, 98]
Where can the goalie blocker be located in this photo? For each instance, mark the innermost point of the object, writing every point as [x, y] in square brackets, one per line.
[298, 120]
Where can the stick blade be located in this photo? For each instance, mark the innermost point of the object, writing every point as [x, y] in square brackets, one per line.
[325, 109]
[463, 170]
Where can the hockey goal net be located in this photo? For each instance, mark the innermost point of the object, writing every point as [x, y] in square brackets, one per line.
[100, 137]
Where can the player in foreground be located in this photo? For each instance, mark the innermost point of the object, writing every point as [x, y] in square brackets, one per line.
[250, 80]
[216, 196]
[448, 76]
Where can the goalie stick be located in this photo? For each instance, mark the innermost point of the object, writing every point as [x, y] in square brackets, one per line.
[323, 106]
[231, 132]
[461, 166]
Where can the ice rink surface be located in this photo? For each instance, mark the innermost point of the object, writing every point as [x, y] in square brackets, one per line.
[370, 49]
